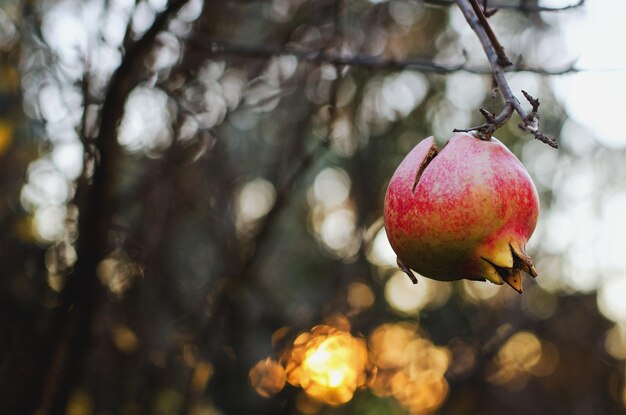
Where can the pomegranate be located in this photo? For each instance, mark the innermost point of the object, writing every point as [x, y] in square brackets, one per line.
[465, 212]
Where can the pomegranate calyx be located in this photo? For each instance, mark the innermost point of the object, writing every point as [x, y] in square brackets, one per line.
[523, 261]
[512, 275]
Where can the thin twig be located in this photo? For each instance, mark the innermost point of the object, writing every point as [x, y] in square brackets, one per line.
[488, 12]
[524, 7]
[228, 48]
[503, 60]
[498, 61]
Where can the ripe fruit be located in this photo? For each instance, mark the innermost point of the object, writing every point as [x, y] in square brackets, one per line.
[465, 212]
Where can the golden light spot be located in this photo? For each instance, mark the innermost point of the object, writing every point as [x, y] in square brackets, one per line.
[306, 405]
[423, 394]
[615, 343]
[387, 344]
[6, 136]
[9, 79]
[124, 338]
[338, 321]
[328, 363]
[410, 367]
[524, 354]
[202, 373]
[23, 229]
[56, 282]
[118, 273]
[549, 360]
[267, 378]
[80, 404]
[360, 296]
[406, 297]
[333, 370]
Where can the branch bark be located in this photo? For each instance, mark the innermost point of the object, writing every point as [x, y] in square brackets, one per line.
[217, 47]
[497, 59]
[95, 199]
[521, 6]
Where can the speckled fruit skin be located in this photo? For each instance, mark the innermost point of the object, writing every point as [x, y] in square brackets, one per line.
[470, 214]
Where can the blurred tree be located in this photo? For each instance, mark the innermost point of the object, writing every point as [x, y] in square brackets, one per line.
[193, 189]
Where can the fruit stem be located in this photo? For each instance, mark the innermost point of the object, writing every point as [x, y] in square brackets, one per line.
[406, 270]
[499, 61]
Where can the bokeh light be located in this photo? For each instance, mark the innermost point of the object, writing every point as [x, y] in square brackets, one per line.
[256, 197]
[521, 356]
[146, 126]
[118, 273]
[380, 251]
[267, 378]
[478, 291]
[330, 365]
[615, 342]
[204, 246]
[360, 296]
[410, 367]
[333, 218]
[409, 298]
[124, 338]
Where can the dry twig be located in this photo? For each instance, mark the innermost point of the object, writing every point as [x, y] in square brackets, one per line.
[499, 61]
[521, 6]
[228, 48]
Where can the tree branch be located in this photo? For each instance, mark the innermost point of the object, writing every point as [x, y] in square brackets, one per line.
[95, 198]
[228, 48]
[522, 6]
[503, 60]
[498, 61]
[226, 292]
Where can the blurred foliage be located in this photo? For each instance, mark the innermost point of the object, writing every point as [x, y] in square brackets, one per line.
[242, 266]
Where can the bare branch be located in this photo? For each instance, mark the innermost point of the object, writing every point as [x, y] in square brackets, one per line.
[522, 6]
[503, 60]
[488, 13]
[95, 198]
[498, 60]
[228, 48]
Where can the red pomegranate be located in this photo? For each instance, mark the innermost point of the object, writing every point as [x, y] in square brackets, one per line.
[465, 212]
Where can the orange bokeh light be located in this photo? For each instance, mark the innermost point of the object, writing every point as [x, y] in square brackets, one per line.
[330, 365]
[410, 367]
[267, 378]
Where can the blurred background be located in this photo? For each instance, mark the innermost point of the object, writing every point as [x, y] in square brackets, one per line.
[191, 202]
